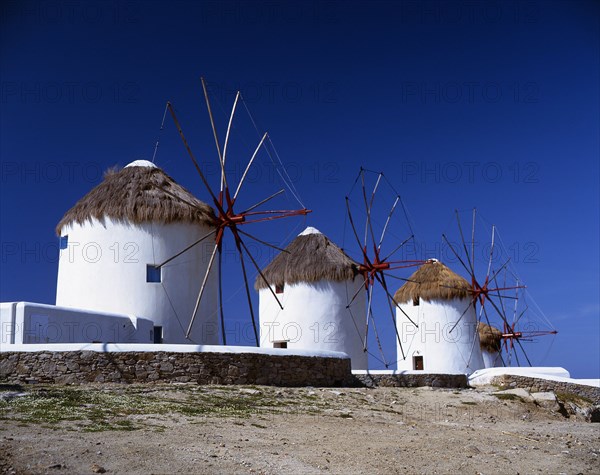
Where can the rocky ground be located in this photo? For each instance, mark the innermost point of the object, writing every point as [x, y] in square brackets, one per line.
[232, 429]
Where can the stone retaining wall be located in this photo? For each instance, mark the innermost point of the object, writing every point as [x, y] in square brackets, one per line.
[413, 380]
[77, 367]
[535, 385]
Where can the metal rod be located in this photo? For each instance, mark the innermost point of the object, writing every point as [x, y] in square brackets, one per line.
[397, 248]
[489, 324]
[248, 297]
[288, 214]
[354, 229]
[370, 207]
[462, 237]
[223, 178]
[378, 340]
[387, 221]
[221, 313]
[491, 252]
[179, 198]
[473, 241]
[162, 126]
[497, 310]
[360, 289]
[262, 276]
[214, 129]
[384, 285]
[195, 162]
[261, 241]
[248, 167]
[262, 202]
[202, 287]
[364, 193]
[500, 270]
[369, 299]
[455, 253]
[276, 211]
[393, 314]
[187, 248]
[460, 318]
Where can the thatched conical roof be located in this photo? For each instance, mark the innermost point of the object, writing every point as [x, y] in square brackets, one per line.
[308, 258]
[134, 194]
[433, 281]
[489, 337]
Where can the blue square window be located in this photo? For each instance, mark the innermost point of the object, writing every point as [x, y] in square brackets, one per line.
[63, 242]
[153, 273]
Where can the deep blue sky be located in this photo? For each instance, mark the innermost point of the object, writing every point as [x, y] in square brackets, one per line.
[489, 105]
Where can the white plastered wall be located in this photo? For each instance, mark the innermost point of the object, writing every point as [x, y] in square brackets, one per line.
[315, 317]
[104, 265]
[491, 359]
[35, 323]
[443, 349]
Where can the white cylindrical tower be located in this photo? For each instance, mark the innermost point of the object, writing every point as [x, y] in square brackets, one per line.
[445, 337]
[490, 341]
[314, 280]
[113, 240]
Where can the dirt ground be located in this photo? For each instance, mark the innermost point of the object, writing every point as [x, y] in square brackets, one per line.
[266, 430]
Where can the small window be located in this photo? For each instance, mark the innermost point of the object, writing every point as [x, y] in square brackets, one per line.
[279, 288]
[158, 334]
[63, 242]
[416, 302]
[153, 273]
[280, 344]
[418, 362]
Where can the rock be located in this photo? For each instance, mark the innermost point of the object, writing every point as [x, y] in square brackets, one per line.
[153, 376]
[11, 395]
[97, 468]
[546, 400]
[249, 391]
[166, 367]
[73, 366]
[233, 371]
[593, 414]
[472, 450]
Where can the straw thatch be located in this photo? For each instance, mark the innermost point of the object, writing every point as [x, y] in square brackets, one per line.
[309, 258]
[433, 281]
[134, 194]
[490, 338]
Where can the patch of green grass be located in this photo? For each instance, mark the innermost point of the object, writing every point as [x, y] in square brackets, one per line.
[508, 397]
[94, 409]
[574, 398]
[389, 411]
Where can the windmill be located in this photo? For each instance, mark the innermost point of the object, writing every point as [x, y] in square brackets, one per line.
[499, 296]
[228, 218]
[384, 235]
